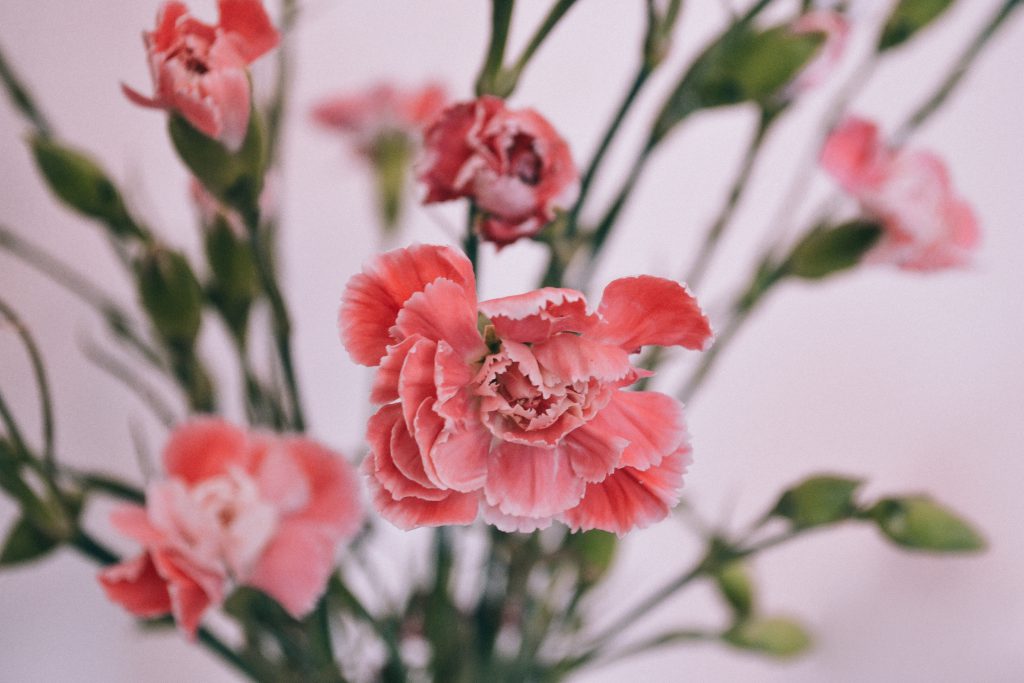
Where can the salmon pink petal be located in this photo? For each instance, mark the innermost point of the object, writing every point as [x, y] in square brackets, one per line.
[295, 566]
[652, 424]
[334, 502]
[409, 513]
[460, 458]
[247, 24]
[228, 88]
[536, 316]
[138, 98]
[646, 310]
[416, 380]
[855, 155]
[572, 359]
[428, 426]
[204, 448]
[629, 498]
[137, 586]
[452, 376]
[281, 478]
[399, 464]
[374, 297]
[513, 524]
[385, 382]
[133, 522]
[443, 310]
[529, 481]
[166, 25]
[191, 589]
[594, 453]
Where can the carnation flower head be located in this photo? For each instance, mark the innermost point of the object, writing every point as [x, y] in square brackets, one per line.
[235, 508]
[927, 226]
[515, 408]
[200, 71]
[512, 164]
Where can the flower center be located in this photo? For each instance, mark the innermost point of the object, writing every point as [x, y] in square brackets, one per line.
[523, 160]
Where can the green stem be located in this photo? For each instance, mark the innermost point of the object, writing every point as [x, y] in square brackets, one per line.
[471, 241]
[501, 18]
[713, 237]
[22, 100]
[279, 314]
[642, 74]
[46, 404]
[555, 15]
[957, 73]
[277, 109]
[133, 382]
[708, 358]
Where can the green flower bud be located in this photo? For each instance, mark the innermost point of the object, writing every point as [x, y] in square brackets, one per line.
[817, 501]
[919, 523]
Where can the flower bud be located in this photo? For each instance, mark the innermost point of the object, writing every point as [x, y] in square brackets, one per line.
[171, 295]
[825, 251]
[774, 636]
[919, 523]
[818, 500]
[81, 184]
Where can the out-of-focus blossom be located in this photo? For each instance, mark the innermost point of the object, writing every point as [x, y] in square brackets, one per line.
[836, 29]
[512, 164]
[381, 110]
[200, 71]
[927, 225]
[236, 508]
[514, 407]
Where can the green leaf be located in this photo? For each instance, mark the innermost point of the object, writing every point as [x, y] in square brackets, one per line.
[236, 178]
[919, 523]
[774, 636]
[909, 17]
[81, 184]
[737, 588]
[826, 251]
[171, 295]
[743, 65]
[25, 543]
[817, 501]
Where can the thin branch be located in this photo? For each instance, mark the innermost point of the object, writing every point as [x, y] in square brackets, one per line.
[132, 381]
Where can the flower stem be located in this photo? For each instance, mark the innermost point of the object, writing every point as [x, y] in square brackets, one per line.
[501, 18]
[22, 99]
[714, 235]
[957, 73]
[556, 13]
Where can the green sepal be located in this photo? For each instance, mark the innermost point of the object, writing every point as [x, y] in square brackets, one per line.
[236, 178]
[919, 523]
[774, 636]
[234, 282]
[829, 250]
[818, 501]
[907, 18]
[81, 184]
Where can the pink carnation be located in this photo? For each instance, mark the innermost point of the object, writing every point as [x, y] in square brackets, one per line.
[200, 71]
[927, 225]
[836, 29]
[514, 407]
[382, 109]
[514, 165]
[253, 509]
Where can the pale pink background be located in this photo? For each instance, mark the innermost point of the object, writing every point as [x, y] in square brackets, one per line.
[913, 382]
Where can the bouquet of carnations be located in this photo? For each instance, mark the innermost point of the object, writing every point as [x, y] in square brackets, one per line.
[528, 433]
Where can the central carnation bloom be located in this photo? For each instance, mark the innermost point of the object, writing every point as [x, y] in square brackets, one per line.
[514, 407]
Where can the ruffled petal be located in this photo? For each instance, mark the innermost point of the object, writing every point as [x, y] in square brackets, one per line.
[334, 499]
[295, 566]
[443, 310]
[530, 481]
[571, 358]
[410, 513]
[646, 310]
[133, 522]
[629, 498]
[396, 460]
[204, 448]
[248, 26]
[460, 458]
[652, 423]
[374, 297]
[593, 452]
[513, 524]
[136, 585]
[535, 316]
